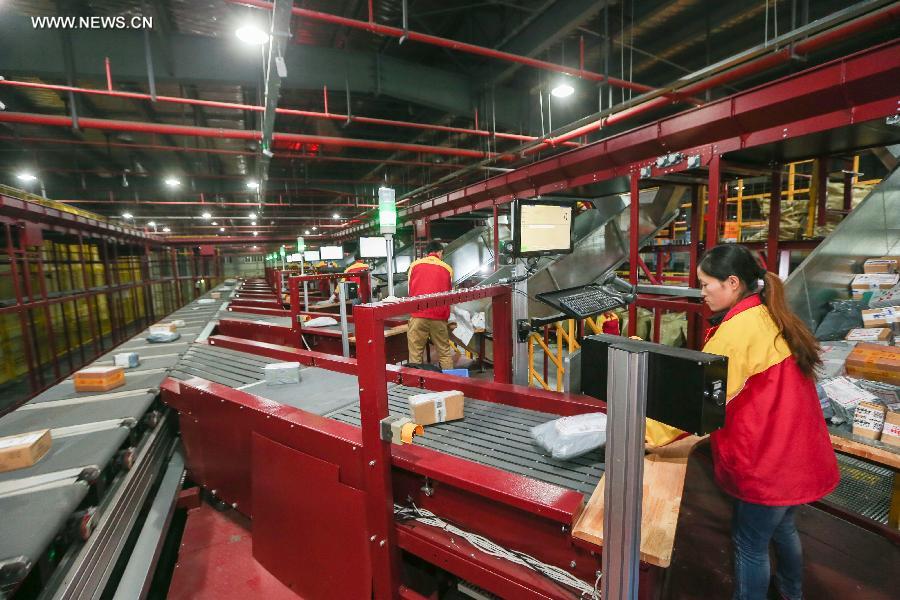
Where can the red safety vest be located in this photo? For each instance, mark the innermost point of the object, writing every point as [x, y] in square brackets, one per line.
[430, 275]
[774, 448]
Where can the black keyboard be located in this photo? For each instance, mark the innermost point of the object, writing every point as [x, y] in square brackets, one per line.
[591, 301]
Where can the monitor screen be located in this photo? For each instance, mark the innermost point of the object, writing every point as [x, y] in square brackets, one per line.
[311, 255]
[373, 247]
[543, 227]
[332, 252]
[295, 257]
[403, 263]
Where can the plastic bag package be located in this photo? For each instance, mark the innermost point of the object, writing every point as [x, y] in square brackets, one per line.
[834, 358]
[570, 437]
[844, 394]
[844, 316]
[884, 298]
[162, 338]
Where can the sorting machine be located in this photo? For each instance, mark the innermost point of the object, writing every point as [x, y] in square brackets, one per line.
[286, 327]
[68, 523]
[340, 511]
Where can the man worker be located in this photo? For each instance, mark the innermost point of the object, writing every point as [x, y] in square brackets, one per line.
[357, 265]
[430, 275]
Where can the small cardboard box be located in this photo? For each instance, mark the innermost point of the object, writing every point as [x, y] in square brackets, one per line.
[888, 316]
[129, 360]
[869, 282]
[437, 407]
[163, 328]
[214, 295]
[282, 373]
[99, 379]
[890, 433]
[868, 420]
[882, 264]
[874, 362]
[877, 335]
[23, 449]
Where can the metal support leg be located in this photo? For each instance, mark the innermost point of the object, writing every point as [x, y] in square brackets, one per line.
[345, 334]
[390, 263]
[519, 311]
[623, 487]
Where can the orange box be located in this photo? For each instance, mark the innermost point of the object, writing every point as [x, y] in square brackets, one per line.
[875, 362]
[882, 264]
[23, 449]
[99, 379]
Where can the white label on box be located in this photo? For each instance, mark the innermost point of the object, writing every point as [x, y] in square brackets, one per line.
[891, 429]
[440, 410]
[865, 335]
[842, 391]
[20, 440]
[867, 417]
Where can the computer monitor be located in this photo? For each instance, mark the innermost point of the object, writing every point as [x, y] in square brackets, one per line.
[403, 263]
[332, 252]
[373, 247]
[543, 227]
[295, 257]
[311, 255]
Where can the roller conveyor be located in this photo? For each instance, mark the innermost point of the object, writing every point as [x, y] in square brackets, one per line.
[90, 430]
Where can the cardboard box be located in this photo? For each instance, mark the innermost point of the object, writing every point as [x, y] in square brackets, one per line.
[868, 420]
[890, 433]
[23, 449]
[99, 379]
[869, 282]
[879, 335]
[874, 362]
[129, 360]
[282, 373]
[163, 328]
[882, 264]
[889, 316]
[437, 407]
[214, 295]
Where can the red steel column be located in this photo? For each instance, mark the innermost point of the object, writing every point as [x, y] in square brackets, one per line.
[774, 222]
[713, 195]
[634, 247]
[373, 403]
[501, 310]
[496, 238]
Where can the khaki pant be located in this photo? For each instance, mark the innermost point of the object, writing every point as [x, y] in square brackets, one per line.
[417, 337]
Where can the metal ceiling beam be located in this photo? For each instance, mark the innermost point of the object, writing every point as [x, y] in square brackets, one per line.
[275, 71]
[200, 60]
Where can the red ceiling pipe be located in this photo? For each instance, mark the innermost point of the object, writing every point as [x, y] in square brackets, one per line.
[236, 134]
[131, 202]
[879, 18]
[434, 40]
[281, 111]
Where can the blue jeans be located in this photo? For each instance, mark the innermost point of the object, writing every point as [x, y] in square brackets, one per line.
[753, 527]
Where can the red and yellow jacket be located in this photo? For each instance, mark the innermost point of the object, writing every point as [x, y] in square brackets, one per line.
[430, 275]
[774, 448]
[356, 266]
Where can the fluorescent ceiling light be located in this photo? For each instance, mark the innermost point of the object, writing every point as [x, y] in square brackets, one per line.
[221, 229]
[562, 90]
[172, 182]
[252, 185]
[255, 233]
[206, 215]
[151, 223]
[166, 230]
[251, 34]
[335, 216]
[306, 232]
[26, 176]
[127, 216]
[215, 223]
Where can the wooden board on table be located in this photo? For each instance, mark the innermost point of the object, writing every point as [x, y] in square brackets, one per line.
[867, 451]
[664, 472]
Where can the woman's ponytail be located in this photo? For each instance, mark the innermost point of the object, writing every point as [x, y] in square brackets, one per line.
[796, 334]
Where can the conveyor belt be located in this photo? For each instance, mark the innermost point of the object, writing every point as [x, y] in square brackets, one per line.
[88, 430]
[256, 318]
[495, 435]
[864, 488]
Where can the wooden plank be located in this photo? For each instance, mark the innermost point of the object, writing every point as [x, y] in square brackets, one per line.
[873, 453]
[664, 472]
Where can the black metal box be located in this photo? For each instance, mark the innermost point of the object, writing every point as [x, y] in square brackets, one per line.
[686, 388]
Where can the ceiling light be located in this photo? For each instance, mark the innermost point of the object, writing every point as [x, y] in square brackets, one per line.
[166, 230]
[206, 215]
[172, 182]
[306, 232]
[151, 223]
[215, 222]
[251, 34]
[255, 233]
[252, 184]
[26, 177]
[335, 216]
[562, 90]
[252, 216]
[314, 228]
[127, 215]
[221, 229]
[253, 222]
[254, 247]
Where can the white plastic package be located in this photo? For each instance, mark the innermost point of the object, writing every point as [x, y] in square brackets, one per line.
[321, 322]
[570, 437]
[162, 338]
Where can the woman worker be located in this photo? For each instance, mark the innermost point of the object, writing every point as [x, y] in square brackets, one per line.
[774, 452]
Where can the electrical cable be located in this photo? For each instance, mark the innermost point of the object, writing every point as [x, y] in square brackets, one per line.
[420, 515]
